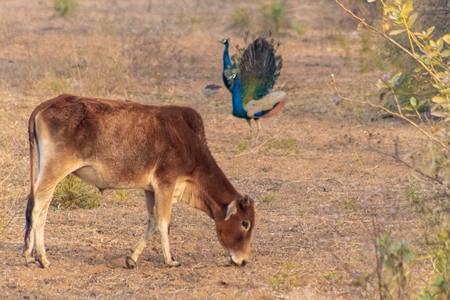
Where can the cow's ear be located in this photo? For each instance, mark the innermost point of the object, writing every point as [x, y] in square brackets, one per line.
[231, 210]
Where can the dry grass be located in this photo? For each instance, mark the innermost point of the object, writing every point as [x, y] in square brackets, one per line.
[314, 238]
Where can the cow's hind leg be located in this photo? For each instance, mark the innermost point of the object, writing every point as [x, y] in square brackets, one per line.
[151, 228]
[36, 216]
[29, 234]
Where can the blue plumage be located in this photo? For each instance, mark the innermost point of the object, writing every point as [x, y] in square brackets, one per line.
[238, 108]
[226, 63]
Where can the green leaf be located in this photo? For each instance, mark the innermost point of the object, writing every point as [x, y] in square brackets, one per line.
[408, 256]
[413, 101]
[394, 16]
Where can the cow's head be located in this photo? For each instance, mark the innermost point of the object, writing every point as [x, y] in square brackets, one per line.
[234, 230]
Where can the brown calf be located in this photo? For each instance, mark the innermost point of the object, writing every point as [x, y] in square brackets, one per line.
[123, 145]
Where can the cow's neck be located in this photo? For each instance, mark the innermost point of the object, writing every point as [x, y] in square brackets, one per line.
[210, 192]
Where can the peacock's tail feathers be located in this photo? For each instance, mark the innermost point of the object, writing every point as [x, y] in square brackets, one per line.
[259, 68]
[275, 110]
[263, 107]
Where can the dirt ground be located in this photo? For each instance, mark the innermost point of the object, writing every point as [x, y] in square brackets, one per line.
[316, 199]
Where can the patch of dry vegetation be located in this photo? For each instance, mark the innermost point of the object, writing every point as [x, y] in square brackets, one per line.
[319, 186]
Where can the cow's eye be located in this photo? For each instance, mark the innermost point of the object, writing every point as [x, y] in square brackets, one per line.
[245, 224]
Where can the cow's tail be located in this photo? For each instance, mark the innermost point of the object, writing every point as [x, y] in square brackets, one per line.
[30, 199]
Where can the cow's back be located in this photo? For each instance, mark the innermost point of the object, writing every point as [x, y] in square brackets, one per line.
[123, 139]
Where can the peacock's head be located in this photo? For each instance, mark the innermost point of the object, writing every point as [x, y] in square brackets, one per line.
[224, 41]
[232, 75]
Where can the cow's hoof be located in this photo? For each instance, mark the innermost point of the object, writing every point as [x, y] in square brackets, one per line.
[29, 260]
[44, 264]
[131, 264]
[173, 263]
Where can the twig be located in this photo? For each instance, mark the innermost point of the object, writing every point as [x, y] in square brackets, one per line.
[7, 177]
[333, 83]
[407, 165]
[117, 234]
[376, 31]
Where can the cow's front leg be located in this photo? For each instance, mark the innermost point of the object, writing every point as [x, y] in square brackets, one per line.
[163, 211]
[163, 227]
[151, 228]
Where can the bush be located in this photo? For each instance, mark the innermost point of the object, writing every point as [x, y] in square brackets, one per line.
[73, 193]
[64, 8]
[422, 82]
[275, 17]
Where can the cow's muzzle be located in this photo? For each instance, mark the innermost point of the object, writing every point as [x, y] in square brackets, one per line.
[236, 262]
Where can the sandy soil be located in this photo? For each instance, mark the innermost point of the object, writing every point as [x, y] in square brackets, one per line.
[312, 240]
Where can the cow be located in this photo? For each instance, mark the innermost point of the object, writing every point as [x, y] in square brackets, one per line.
[114, 144]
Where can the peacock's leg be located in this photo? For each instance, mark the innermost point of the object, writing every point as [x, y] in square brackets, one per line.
[258, 124]
[250, 125]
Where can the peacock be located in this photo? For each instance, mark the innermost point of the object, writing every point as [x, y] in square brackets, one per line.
[251, 80]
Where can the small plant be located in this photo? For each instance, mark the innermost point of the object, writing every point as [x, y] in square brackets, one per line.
[73, 193]
[298, 212]
[241, 146]
[351, 205]
[358, 158]
[55, 84]
[275, 16]
[412, 196]
[65, 7]
[333, 277]
[286, 279]
[7, 215]
[267, 198]
[344, 41]
[299, 28]
[288, 145]
[395, 257]
[440, 244]
[241, 19]
[123, 194]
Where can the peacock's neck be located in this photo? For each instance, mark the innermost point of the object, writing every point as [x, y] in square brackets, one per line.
[238, 107]
[226, 57]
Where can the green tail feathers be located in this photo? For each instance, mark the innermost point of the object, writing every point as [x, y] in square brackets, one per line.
[259, 68]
